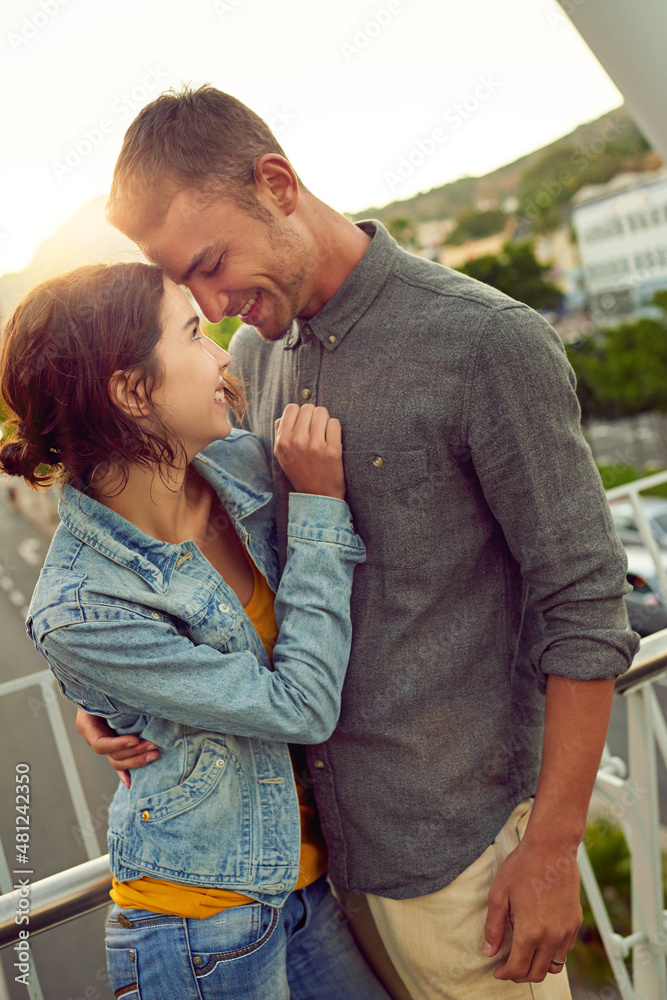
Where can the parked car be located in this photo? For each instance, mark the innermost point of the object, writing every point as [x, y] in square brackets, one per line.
[647, 608]
[623, 517]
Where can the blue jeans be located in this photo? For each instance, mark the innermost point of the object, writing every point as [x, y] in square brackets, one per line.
[305, 951]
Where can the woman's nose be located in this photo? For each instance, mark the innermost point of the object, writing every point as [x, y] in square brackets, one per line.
[221, 357]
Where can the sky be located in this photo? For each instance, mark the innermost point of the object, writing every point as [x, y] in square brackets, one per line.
[371, 101]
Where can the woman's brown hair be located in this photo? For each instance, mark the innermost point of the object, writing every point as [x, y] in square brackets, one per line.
[61, 346]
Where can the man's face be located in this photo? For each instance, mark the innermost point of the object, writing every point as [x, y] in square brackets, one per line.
[233, 263]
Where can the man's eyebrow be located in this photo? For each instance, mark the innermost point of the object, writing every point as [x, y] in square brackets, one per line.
[196, 262]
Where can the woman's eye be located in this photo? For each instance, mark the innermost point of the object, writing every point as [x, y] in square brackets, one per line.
[195, 333]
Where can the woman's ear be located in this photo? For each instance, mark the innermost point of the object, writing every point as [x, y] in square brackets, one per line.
[128, 392]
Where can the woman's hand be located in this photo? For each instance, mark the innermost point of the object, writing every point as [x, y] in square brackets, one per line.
[122, 752]
[309, 449]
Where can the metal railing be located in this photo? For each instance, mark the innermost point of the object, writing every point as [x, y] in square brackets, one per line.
[45, 682]
[631, 790]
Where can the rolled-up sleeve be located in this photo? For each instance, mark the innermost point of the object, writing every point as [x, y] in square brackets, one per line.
[522, 422]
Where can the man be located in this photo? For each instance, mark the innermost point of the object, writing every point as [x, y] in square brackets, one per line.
[493, 576]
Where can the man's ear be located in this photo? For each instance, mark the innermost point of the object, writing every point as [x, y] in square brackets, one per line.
[128, 392]
[275, 178]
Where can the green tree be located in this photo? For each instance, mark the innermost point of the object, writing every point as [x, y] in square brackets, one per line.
[222, 332]
[622, 370]
[474, 225]
[403, 231]
[517, 272]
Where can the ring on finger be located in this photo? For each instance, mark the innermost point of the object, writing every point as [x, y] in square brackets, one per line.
[559, 964]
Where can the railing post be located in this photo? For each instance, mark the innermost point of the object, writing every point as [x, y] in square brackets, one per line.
[649, 966]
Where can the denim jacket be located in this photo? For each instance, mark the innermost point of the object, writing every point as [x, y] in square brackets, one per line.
[148, 634]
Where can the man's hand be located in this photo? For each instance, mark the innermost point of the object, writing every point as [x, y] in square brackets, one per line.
[122, 752]
[537, 887]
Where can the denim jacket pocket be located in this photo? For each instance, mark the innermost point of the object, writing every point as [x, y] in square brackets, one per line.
[204, 778]
[387, 497]
[161, 825]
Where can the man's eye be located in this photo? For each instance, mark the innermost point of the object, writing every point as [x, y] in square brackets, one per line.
[214, 270]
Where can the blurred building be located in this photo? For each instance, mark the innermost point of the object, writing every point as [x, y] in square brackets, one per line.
[431, 235]
[621, 228]
[456, 256]
[558, 249]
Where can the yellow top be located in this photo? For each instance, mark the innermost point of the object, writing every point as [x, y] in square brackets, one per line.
[160, 896]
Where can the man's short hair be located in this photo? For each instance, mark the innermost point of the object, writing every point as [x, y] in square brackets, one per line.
[201, 139]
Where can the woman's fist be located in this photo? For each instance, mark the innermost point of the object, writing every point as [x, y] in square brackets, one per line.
[309, 449]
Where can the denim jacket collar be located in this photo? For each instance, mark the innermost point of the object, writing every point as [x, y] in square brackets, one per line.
[119, 540]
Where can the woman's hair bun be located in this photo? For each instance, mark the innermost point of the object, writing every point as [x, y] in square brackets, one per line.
[20, 458]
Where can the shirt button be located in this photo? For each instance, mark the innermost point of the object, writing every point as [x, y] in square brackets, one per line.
[319, 763]
[306, 393]
[224, 607]
[145, 815]
[332, 339]
[378, 462]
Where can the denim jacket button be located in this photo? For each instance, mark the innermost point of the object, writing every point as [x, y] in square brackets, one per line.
[145, 815]
[197, 960]
[224, 607]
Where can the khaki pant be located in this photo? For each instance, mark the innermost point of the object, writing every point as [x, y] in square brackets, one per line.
[435, 942]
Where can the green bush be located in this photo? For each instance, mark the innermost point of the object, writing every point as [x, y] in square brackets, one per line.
[619, 475]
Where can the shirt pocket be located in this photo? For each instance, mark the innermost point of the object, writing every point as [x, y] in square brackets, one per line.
[387, 494]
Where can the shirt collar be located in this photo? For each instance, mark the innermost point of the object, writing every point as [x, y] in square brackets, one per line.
[122, 542]
[346, 307]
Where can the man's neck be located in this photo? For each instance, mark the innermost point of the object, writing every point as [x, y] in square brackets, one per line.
[337, 246]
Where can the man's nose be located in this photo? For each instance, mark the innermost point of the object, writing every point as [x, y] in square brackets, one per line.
[212, 302]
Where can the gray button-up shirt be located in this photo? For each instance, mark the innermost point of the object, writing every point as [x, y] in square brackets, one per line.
[492, 560]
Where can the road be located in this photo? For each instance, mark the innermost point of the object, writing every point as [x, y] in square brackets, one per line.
[70, 960]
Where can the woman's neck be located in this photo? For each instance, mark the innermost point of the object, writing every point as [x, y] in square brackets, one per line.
[171, 508]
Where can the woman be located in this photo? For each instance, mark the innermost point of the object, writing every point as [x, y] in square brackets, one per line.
[155, 609]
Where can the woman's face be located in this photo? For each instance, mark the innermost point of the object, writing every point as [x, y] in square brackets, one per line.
[190, 398]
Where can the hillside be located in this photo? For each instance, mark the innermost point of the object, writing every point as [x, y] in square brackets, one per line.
[83, 239]
[592, 151]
